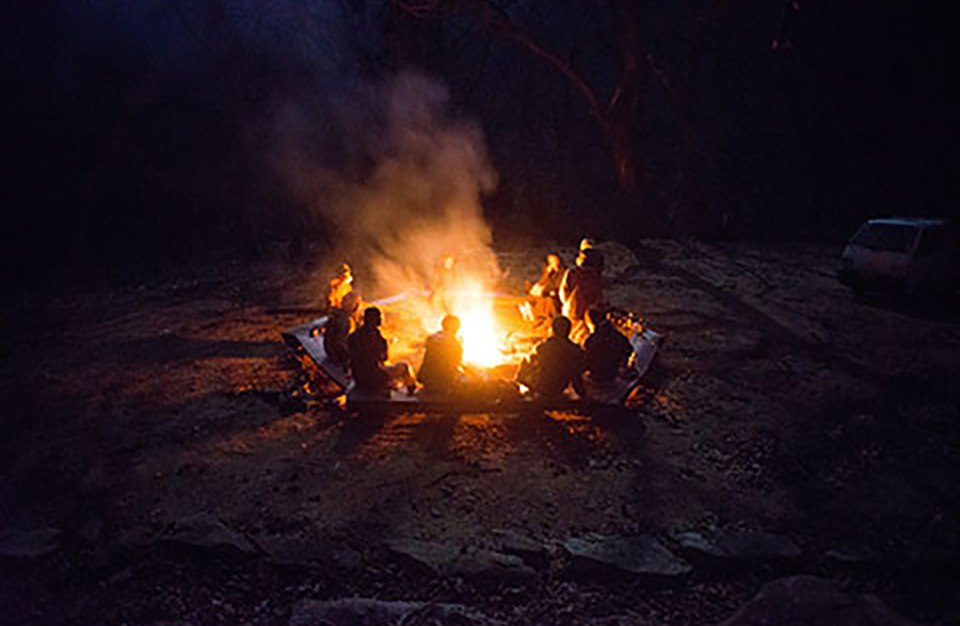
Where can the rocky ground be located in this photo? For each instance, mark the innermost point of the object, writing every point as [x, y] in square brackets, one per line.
[167, 460]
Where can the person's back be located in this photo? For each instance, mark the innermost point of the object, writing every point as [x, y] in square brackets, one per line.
[607, 349]
[368, 352]
[440, 369]
[560, 362]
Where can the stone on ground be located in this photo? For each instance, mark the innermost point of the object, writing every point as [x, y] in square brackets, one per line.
[812, 601]
[370, 612]
[208, 531]
[306, 552]
[737, 545]
[512, 542]
[450, 560]
[642, 555]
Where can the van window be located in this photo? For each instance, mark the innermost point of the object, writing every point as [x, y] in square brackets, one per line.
[886, 237]
[931, 242]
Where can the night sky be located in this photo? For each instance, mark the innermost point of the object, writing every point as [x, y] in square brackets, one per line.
[142, 135]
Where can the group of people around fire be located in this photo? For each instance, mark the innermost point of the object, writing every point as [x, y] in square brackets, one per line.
[355, 342]
[584, 347]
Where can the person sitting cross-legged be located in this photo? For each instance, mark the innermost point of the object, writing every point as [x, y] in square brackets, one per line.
[556, 364]
[368, 359]
[607, 349]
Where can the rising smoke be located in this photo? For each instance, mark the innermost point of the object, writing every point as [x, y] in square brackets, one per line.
[399, 177]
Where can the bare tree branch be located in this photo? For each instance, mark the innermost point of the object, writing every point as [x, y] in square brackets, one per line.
[615, 115]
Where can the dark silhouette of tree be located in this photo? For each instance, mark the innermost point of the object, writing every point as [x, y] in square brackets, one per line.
[616, 113]
[658, 54]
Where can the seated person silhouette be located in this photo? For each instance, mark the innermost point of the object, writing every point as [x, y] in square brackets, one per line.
[607, 349]
[582, 289]
[556, 364]
[440, 372]
[368, 359]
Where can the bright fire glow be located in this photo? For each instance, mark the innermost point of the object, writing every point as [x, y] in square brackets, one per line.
[479, 330]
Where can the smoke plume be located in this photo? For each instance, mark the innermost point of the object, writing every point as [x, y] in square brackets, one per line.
[399, 177]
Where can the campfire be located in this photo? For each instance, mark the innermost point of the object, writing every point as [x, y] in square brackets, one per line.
[484, 343]
[415, 226]
[494, 334]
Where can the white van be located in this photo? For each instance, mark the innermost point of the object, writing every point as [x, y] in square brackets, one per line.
[900, 254]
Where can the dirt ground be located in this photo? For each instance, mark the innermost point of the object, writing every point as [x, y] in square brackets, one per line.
[779, 403]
